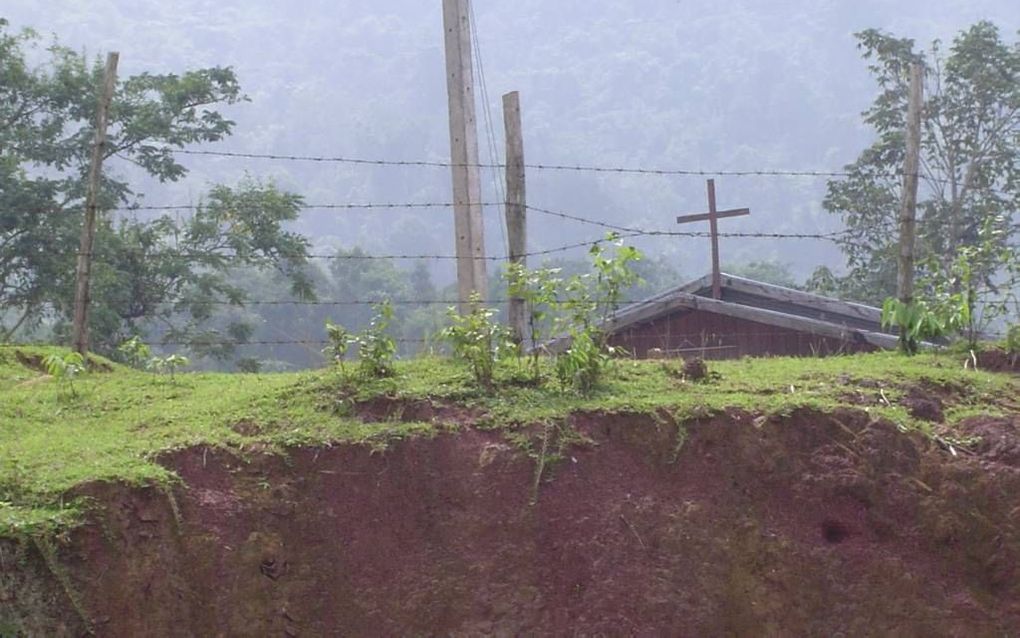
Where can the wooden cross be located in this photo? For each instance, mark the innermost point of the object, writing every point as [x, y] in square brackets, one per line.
[713, 216]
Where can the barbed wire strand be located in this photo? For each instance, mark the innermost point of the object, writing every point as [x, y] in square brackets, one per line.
[493, 165]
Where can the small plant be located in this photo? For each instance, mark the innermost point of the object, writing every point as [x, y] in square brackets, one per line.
[953, 289]
[582, 364]
[135, 352]
[479, 341]
[169, 364]
[376, 348]
[614, 274]
[65, 368]
[340, 340]
[916, 322]
[538, 288]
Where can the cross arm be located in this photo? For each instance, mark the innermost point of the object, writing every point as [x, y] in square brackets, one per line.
[702, 217]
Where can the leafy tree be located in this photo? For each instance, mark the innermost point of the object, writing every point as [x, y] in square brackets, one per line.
[165, 270]
[175, 275]
[970, 157]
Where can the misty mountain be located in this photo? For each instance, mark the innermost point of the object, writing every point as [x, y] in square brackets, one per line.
[738, 86]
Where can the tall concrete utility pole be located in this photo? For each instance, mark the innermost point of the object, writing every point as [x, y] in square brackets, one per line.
[467, 191]
[516, 204]
[908, 201]
[88, 231]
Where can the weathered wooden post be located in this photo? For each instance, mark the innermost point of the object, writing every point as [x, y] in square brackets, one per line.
[470, 236]
[88, 231]
[908, 200]
[516, 205]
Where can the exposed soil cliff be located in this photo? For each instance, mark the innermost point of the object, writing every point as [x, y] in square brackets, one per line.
[809, 524]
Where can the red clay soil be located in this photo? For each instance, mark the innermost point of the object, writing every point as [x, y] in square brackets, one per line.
[807, 525]
[998, 361]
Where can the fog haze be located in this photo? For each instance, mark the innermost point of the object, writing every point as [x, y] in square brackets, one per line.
[657, 84]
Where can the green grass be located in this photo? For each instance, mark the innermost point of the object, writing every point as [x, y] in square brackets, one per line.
[123, 419]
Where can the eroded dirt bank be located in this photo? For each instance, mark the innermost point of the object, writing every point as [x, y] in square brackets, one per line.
[805, 525]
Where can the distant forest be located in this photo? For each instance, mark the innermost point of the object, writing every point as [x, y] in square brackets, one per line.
[744, 86]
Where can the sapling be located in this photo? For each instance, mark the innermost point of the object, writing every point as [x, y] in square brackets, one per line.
[376, 348]
[539, 289]
[340, 341]
[136, 352]
[169, 364]
[583, 363]
[478, 340]
[65, 368]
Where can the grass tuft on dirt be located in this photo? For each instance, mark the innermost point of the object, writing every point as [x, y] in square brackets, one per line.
[119, 421]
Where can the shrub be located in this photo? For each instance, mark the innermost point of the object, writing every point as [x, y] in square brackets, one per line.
[538, 289]
[479, 341]
[135, 352]
[376, 348]
[169, 364]
[64, 368]
[340, 341]
[916, 322]
[582, 364]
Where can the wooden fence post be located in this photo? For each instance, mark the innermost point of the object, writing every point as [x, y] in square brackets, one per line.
[88, 231]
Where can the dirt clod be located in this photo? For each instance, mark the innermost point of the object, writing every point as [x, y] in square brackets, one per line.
[925, 408]
[695, 370]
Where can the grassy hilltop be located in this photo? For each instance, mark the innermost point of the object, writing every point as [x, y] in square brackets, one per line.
[115, 422]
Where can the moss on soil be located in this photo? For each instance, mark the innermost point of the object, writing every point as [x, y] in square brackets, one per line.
[122, 420]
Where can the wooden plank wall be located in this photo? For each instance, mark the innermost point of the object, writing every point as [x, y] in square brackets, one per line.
[711, 336]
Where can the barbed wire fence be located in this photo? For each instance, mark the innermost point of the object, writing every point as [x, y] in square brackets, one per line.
[620, 230]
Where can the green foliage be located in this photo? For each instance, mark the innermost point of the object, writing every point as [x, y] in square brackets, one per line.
[138, 355]
[916, 322]
[135, 352]
[953, 294]
[823, 282]
[340, 341]
[178, 272]
[970, 154]
[126, 423]
[582, 364]
[478, 340]
[64, 368]
[167, 271]
[376, 348]
[614, 273]
[538, 288]
[45, 142]
[249, 365]
[169, 364]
